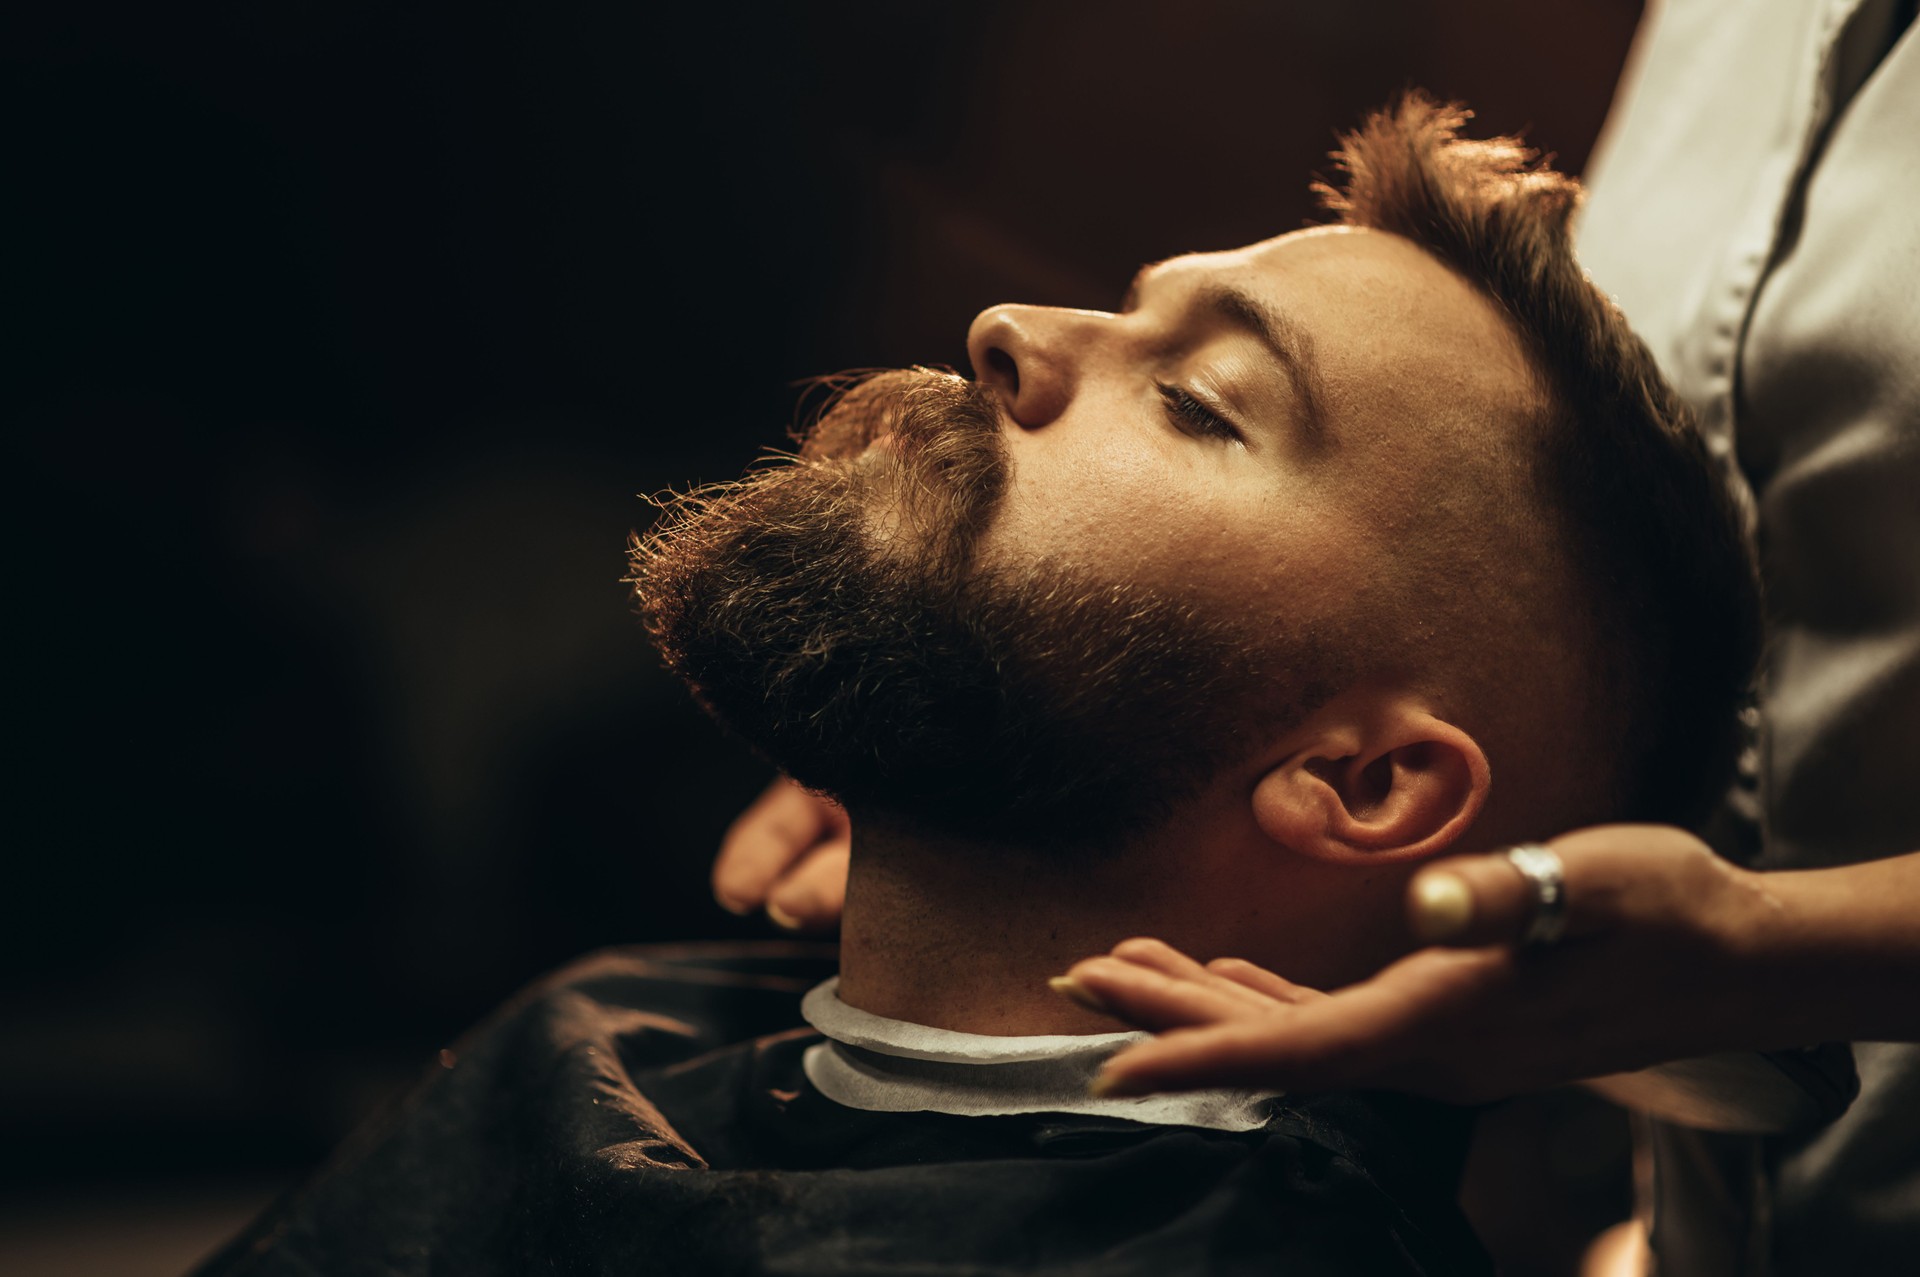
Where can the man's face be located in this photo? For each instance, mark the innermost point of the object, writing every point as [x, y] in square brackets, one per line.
[1042, 606]
[1254, 426]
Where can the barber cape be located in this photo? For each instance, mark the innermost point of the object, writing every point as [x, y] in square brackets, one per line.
[658, 1110]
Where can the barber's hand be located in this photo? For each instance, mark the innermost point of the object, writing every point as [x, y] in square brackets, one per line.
[1650, 969]
[786, 854]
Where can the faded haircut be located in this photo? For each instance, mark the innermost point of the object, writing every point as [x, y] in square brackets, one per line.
[1645, 520]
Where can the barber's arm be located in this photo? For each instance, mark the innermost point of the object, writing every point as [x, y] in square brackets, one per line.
[1669, 953]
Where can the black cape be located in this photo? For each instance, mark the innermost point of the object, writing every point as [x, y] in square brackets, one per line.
[645, 1111]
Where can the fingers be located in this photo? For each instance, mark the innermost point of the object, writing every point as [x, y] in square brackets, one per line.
[1152, 999]
[1316, 1042]
[1262, 981]
[813, 896]
[781, 827]
[1469, 901]
[1151, 984]
[1611, 871]
[1238, 973]
[1158, 955]
[1401, 1029]
[1270, 1053]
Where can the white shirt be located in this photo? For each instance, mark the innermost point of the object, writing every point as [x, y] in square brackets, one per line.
[1756, 213]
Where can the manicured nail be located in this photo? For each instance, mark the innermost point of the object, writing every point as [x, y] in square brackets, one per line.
[1441, 906]
[782, 919]
[1072, 990]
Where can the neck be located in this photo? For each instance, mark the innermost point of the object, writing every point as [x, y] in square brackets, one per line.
[917, 945]
[965, 938]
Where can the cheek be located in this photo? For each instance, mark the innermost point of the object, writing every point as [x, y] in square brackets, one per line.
[1113, 501]
[1176, 516]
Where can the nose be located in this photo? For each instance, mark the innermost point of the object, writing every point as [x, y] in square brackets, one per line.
[1032, 357]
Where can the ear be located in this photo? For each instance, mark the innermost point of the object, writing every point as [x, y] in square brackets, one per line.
[1386, 780]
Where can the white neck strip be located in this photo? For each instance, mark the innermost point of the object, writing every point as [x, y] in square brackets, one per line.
[895, 1066]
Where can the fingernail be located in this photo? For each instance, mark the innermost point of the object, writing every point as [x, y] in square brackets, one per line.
[782, 919]
[1113, 1086]
[733, 907]
[1072, 990]
[1440, 906]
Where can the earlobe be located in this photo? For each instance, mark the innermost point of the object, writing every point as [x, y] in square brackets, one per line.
[1405, 785]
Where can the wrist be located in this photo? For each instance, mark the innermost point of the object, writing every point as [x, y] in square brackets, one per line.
[1821, 956]
[1775, 978]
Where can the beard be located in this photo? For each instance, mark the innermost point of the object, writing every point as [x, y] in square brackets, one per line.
[832, 611]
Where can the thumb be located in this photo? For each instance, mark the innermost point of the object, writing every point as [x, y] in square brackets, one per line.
[1469, 901]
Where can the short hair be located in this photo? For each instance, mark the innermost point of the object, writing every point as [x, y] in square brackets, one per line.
[1648, 521]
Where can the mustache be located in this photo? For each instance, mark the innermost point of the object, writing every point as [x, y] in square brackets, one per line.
[862, 406]
[940, 452]
[941, 477]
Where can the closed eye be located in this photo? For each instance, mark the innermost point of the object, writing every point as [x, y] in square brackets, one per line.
[1194, 417]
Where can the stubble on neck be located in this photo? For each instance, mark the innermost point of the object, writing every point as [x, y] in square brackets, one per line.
[964, 937]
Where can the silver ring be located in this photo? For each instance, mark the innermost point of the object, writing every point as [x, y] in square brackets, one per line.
[1548, 878]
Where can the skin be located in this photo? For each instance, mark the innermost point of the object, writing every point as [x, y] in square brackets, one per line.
[1295, 857]
[1768, 961]
[1670, 952]
[1274, 517]
[787, 854]
[1277, 518]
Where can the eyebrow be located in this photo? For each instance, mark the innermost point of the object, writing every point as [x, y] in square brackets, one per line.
[1290, 344]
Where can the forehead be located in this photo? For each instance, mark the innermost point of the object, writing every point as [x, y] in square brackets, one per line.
[1395, 331]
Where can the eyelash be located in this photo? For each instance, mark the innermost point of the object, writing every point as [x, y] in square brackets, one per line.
[1193, 416]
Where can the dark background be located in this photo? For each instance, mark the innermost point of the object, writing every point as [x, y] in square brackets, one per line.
[339, 340]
